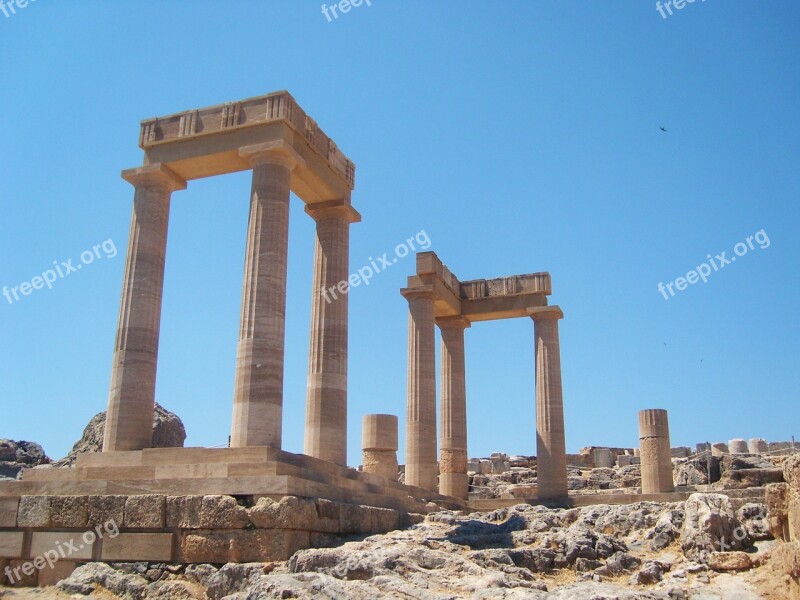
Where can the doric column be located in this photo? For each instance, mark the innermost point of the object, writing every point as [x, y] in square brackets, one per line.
[453, 480]
[129, 421]
[379, 445]
[421, 464]
[258, 393]
[654, 449]
[551, 453]
[326, 400]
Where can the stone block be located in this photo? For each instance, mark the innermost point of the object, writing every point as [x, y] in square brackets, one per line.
[62, 569]
[794, 520]
[150, 547]
[289, 513]
[355, 519]
[222, 512]
[729, 561]
[384, 520]
[183, 512]
[474, 466]
[603, 457]
[69, 545]
[70, 511]
[241, 546]
[23, 574]
[758, 446]
[106, 509]
[34, 511]
[328, 516]
[8, 512]
[12, 544]
[145, 512]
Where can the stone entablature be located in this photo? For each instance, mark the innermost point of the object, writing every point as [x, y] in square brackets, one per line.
[252, 112]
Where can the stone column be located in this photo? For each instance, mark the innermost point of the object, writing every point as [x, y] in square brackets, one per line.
[551, 453]
[379, 445]
[737, 446]
[453, 480]
[131, 400]
[258, 393]
[326, 400]
[421, 465]
[655, 452]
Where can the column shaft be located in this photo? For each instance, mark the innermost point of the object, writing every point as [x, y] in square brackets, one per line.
[551, 454]
[258, 394]
[326, 400]
[453, 480]
[129, 420]
[654, 449]
[421, 464]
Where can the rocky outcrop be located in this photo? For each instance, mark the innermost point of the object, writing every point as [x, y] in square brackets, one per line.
[710, 525]
[16, 456]
[168, 432]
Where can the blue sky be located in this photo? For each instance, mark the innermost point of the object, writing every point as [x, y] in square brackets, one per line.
[520, 136]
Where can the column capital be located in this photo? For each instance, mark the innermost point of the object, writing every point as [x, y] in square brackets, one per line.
[417, 292]
[541, 313]
[278, 152]
[333, 209]
[454, 322]
[154, 175]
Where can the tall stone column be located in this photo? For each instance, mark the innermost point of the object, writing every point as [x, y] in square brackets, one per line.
[421, 465]
[258, 392]
[551, 453]
[129, 421]
[654, 449]
[326, 400]
[453, 480]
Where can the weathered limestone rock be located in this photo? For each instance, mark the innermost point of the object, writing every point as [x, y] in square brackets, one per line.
[289, 513]
[168, 432]
[758, 446]
[106, 509]
[231, 578]
[794, 519]
[737, 446]
[222, 512]
[70, 511]
[241, 545]
[97, 576]
[34, 511]
[711, 525]
[753, 517]
[729, 561]
[16, 456]
[791, 473]
[776, 499]
[145, 512]
[184, 511]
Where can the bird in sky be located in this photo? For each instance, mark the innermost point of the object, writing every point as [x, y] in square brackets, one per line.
[663, 128]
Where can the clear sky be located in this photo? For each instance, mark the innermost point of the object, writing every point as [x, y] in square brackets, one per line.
[521, 136]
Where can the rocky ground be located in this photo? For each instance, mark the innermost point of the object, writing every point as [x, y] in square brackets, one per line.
[638, 551]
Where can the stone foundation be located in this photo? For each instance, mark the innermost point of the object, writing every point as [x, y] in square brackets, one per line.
[180, 529]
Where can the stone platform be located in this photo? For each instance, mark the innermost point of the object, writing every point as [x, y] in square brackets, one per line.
[240, 472]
